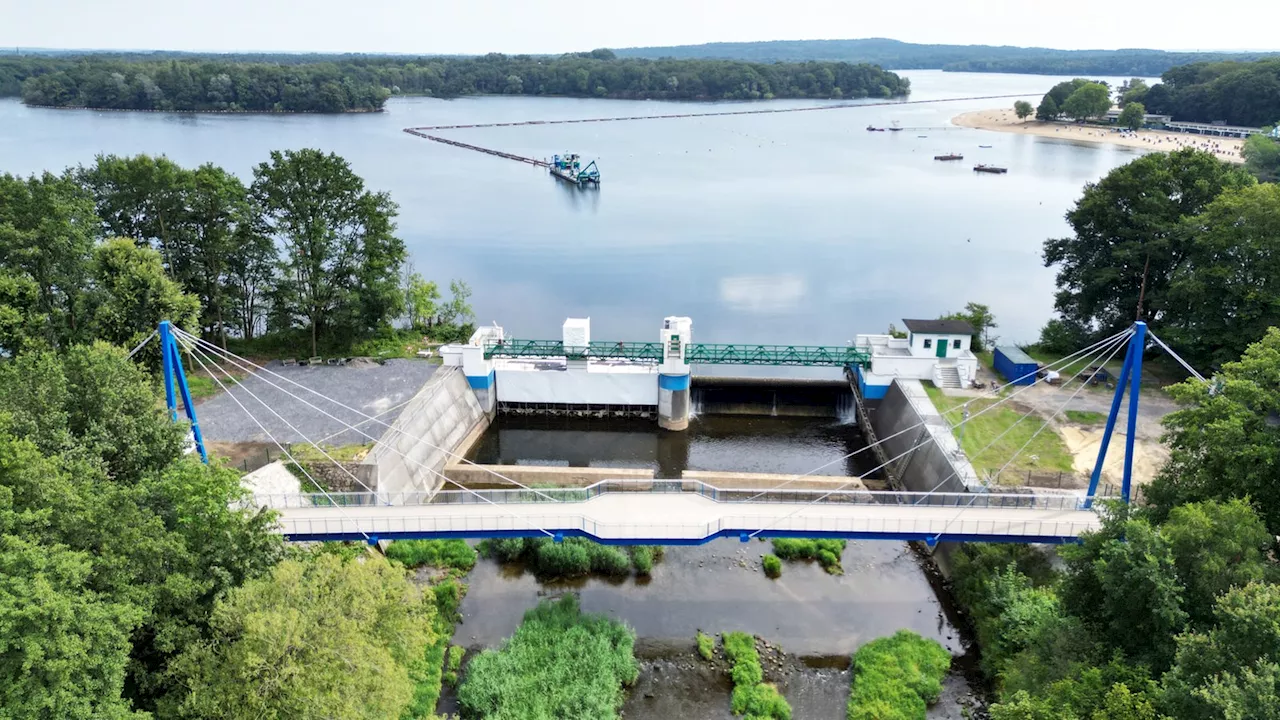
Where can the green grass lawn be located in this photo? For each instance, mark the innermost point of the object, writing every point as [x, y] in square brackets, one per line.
[202, 386]
[1086, 417]
[1047, 453]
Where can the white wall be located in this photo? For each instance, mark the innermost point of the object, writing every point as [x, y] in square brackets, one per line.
[918, 348]
[575, 386]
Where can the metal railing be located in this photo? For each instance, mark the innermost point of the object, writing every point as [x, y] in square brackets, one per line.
[1041, 501]
[695, 353]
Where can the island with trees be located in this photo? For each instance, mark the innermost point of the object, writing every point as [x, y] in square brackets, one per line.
[364, 83]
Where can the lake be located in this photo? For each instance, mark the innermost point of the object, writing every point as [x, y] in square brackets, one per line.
[781, 228]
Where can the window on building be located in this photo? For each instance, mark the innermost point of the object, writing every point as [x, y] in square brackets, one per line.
[955, 344]
[928, 343]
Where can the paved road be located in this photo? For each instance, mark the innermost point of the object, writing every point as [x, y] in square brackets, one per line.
[643, 518]
[373, 389]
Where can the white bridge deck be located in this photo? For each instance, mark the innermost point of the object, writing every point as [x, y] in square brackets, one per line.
[684, 512]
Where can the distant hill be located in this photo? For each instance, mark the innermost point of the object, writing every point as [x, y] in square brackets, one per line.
[897, 55]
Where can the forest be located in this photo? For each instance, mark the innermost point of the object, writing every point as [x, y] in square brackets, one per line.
[1238, 93]
[363, 83]
[897, 55]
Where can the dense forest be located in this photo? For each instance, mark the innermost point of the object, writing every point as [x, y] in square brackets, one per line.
[897, 55]
[1238, 93]
[361, 83]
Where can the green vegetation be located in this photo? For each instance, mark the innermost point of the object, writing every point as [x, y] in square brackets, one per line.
[291, 624]
[1238, 93]
[451, 554]
[752, 697]
[428, 671]
[1153, 222]
[1046, 453]
[1133, 116]
[1023, 110]
[826, 552]
[351, 84]
[706, 645]
[983, 322]
[450, 676]
[1262, 157]
[772, 566]
[895, 54]
[897, 677]
[559, 664]
[1090, 100]
[574, 557]
[1086, 417]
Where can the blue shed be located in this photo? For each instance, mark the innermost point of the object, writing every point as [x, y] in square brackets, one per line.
[1014, 364]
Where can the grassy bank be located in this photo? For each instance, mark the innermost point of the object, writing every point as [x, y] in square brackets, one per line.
[559, 663]
[826, 552]
[1046, 452]
[385, 345]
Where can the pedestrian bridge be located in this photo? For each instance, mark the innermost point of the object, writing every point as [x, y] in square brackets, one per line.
[683, 512]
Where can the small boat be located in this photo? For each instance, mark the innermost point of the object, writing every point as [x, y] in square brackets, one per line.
[949, 156]
[892, 129]
[988, 147]
[872, 128]
[990, 169]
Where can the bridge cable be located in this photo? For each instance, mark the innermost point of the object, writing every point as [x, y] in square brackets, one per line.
[377, 441]
[1120, 341]
[1186, 366]
[909, 450]
[282, 448]
[195, 349]
[996, 390]
[242, 362]
[143, 343]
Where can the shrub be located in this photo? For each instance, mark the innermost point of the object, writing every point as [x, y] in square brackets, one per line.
[826, 552]
[706, 645]
[455, 554]
[751, 697]
[642, 559]
[609, 561]
[772, 566]
[747, 673]
[455, 656]
[793, 548]
[564, 559]
[503, 550]
[897, 677]
[829, 562]
[448, 596]
[559, 663]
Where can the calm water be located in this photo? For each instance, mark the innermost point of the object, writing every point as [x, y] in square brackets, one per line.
[795, 228]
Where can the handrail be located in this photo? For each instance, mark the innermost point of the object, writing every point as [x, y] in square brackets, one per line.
[1043, 501]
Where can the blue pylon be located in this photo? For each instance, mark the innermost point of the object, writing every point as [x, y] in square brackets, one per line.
[171, 365]
[1130, 374]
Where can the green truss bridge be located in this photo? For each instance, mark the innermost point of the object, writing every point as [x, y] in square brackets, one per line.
[695, 353]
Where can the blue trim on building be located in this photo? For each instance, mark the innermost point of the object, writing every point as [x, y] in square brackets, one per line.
[899, 537]
[870, 392]
[482, 382]
[674, 382]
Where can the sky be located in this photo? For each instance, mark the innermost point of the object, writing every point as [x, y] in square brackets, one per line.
[554, 26]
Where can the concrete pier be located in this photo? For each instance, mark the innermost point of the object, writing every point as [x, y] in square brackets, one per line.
[674, 375]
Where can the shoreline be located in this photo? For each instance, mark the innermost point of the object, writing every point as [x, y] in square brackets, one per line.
[1004, 120]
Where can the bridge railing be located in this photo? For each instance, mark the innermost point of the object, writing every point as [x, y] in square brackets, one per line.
[695, 353]
[938, 527]
[1040, 501]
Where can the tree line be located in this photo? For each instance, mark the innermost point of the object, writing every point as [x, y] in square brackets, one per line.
[898, 55]
[1238, 93]
[347, 84]
[304, 252]
[1171, 611]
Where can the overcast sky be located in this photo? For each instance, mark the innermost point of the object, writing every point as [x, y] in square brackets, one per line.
[552, 26]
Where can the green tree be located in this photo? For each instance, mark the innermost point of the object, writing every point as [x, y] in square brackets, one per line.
[1218, 669]
[1048, 110]
[458, 310]
[144, 198]
[1023, 110]
[216, 203]
[320, 637]
[979, 316]
[249, 274]
[22, 325]
[1262, 157]
[1216, 546]
[132, 294]
[1129, 234]
[422, 300]
[341, 261]
[47, 231]
[1090, 100]
[1226, 292]
[1223, 442]
[1133, 116]
[1122, 582]
[1133, 90]
[63, 648]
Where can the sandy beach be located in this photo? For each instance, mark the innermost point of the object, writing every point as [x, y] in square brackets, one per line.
[1005, 121]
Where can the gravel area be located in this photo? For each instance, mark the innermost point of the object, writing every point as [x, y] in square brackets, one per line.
[373, 389]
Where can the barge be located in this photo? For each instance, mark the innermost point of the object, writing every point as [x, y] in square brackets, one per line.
[990, 169]
[568, 167]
